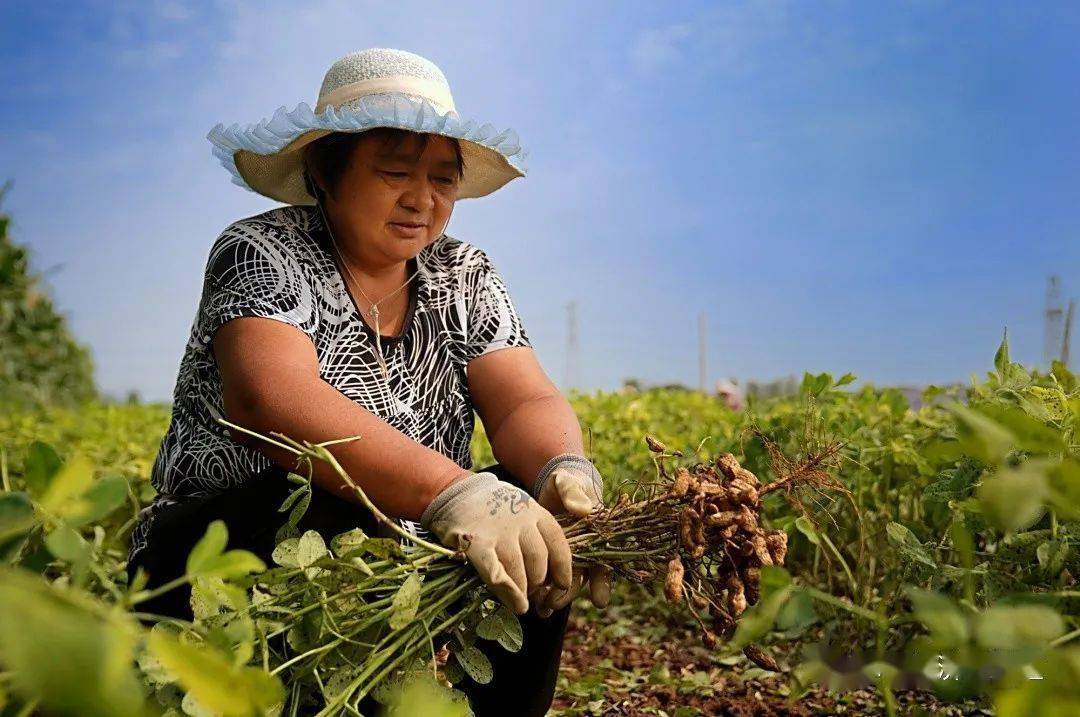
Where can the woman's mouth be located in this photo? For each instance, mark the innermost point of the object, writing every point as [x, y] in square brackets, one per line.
[407, 229]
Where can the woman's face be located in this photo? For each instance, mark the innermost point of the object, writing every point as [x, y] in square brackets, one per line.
[391, 203]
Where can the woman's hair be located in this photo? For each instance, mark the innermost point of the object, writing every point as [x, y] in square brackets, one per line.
[329, 156]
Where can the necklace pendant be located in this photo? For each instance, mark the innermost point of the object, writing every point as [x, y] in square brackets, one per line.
[375, 312]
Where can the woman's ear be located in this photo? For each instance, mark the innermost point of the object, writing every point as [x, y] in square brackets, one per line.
[312, 182]
[312, 186]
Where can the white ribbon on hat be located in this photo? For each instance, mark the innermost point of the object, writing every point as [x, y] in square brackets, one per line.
[436, 93]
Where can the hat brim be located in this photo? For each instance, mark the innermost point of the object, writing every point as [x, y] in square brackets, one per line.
[266, 158]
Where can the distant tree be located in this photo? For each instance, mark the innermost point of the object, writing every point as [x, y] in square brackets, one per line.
[40, 361]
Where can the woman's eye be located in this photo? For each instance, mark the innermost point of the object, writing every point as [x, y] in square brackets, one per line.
[445, 180]
[397, 174]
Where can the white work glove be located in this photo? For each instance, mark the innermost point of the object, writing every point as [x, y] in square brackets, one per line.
[514, 544]
[570, 483]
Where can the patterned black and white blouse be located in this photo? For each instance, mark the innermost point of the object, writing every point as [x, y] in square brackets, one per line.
[280, 265]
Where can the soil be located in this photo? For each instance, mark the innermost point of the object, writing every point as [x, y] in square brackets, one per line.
[651, 669]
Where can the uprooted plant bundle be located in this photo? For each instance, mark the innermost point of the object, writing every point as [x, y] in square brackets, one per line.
[705, 520]
[351, 619]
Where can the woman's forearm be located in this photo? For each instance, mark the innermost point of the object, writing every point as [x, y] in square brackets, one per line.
[534, 432]
[398, 474]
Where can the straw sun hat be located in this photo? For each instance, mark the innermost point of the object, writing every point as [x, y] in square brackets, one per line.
[378, 87]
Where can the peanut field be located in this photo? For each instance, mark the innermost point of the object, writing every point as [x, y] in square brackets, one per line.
[927, 566]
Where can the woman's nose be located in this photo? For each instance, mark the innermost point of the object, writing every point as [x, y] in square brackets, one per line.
[420, 195]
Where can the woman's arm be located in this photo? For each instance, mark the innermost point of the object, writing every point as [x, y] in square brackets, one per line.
[270, 381]
[532, 428]
[527, 419]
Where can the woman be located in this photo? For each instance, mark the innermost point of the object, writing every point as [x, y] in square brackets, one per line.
[349, 311]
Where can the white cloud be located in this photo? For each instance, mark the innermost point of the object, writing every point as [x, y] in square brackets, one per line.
[657, 47]
[724, 38]
[172, 10]
[151, 55]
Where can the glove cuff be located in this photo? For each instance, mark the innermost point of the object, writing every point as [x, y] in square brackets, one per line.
[459, 489]
[563, 460]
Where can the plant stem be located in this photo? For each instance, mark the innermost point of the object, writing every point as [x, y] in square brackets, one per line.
[379, 515]
[837, 602]
[145, 595]
[1065, 638]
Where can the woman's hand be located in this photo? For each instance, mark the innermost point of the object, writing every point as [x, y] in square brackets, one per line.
[570, 483]
[515, 544]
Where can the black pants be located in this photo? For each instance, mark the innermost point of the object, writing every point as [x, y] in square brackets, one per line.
[524, 682]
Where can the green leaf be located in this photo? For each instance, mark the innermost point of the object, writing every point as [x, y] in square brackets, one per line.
[215, 596]
[385, 548]
[1063, 481]
[816, 384]
[209, 546]
[982, 437]
[288, 529]
[306, 634]
[221, 608]
[214, 680]
[503, 626]
[207, 559]
[1051, 555]
[1001, 357]
[152, 669]
[911, 548]
[405, 603]
[475, 663]
[63, 496]
[350, 545]
[1065, 378]
[102, 498]
[16, 515]
[66, 544]
[947, 625]
[56, 650]
[340, 678]
[41, 465]
[774, 577]
[349, 542]
[1030, 434]
[757, 621]
[1011, 627]
[454, 671]
[1055, 693]
[292, 498]
[845, 380]
[807, 528]
[797, 613]
[285, 553]
[883, 673]
[311, 548]
[954, 483]
[1014, 498]
[420, 694]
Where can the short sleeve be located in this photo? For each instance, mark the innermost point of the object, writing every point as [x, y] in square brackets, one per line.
[251, 272]
[493, 321]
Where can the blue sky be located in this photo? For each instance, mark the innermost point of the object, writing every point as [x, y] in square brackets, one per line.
[844, 186]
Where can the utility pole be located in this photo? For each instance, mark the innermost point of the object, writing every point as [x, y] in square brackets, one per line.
[571, 377]
[1067, 333]
[1053, 321]
[701, 352]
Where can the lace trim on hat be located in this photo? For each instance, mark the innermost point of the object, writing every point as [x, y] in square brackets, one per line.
[384, 110]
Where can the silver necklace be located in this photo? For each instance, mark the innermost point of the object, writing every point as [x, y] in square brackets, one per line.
[374, 305]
